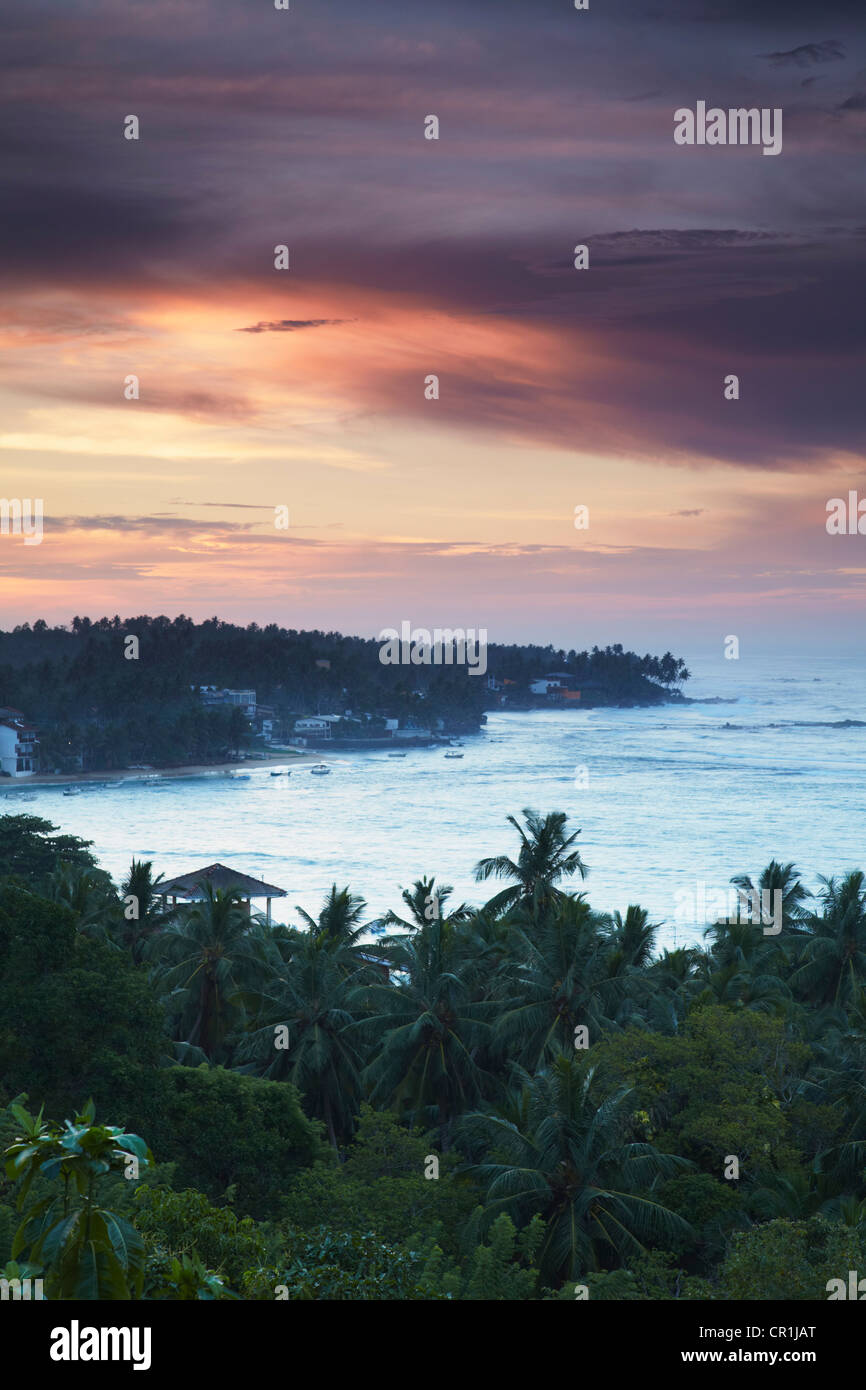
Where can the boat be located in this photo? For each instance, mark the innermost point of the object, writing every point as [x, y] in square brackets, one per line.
[283, 772]
[320, 769]
[452, 753]
[72, 791]
[240, 776]
[396, 755]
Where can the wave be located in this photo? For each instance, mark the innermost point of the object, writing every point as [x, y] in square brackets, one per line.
[799, 724]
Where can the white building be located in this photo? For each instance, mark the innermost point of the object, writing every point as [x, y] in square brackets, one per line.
[18, 745]
[319, 727]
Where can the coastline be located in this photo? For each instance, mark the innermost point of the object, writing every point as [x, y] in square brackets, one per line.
[137, 774]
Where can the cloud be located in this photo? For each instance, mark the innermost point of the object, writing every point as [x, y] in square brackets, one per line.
[290, 325]
[828, 51]
[689, 511]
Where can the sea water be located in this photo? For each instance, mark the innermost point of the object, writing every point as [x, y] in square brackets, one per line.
[669, 801]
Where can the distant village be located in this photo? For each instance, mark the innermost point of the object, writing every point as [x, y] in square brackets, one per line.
[19, 742]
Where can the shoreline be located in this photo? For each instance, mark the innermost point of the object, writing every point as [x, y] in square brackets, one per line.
[138, 774]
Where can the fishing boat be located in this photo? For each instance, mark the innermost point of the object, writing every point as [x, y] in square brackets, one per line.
[283, 772]
[452, 753]
[320, 769]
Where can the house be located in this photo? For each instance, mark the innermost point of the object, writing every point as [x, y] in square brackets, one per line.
[191, 887]
[18, 745]
[544, 686]
[318, 726]
[244, 699]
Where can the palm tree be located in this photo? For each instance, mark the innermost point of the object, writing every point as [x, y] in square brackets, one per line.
[632, 937]
[546, 856]
[569, 1157]
[430, 1027]
[209, 954]
[148, 912]
[303, 1017]
[88, 893]
[424, 901]
[833, 968]
[339, 920]
[557, 980]
[785, 880]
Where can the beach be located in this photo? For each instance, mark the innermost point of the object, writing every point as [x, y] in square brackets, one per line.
[140, 774]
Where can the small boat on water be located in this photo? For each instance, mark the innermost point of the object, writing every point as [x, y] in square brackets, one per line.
[72, 791]
[452, 753]
[283, 772]
[240, 776]
[320, 769]
[396, 755]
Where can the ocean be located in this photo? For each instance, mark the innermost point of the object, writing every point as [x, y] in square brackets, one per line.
[666, 799]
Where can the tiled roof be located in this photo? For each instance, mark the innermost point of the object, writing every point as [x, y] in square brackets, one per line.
[222, 878]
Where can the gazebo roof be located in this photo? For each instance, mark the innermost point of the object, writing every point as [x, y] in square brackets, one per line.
[220, 877]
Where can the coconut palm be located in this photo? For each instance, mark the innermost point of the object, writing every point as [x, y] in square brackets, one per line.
[570, 1158]
[833, 968]
[632, 938]
[303, 1034]
[429, 1026]
[144, 912]
[88, 894]
[339, 919]
[546, 856]
[424, 901]
[785, 879]
[206, 957]
[557, 980]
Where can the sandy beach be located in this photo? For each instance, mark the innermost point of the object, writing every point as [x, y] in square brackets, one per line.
[138, 774]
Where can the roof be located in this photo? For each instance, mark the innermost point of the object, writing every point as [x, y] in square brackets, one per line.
[221, 878]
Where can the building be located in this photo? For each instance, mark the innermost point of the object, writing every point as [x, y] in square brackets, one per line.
[244, 699]
[318, 727]
[19, 756]
[187, 888]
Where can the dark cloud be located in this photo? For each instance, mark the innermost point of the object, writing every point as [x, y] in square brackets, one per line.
[289, 325]
[828, 51]
[857, 102]
[689, 511]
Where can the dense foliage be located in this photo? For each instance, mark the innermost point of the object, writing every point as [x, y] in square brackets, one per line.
[520, 1101]
[98, 707]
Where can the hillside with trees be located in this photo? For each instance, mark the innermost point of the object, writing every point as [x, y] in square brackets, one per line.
[519, 1101]
[96, 708]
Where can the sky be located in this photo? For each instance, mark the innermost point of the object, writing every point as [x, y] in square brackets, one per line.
[304, 389]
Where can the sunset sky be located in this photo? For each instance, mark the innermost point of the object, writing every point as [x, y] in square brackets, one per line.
[559, 388]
